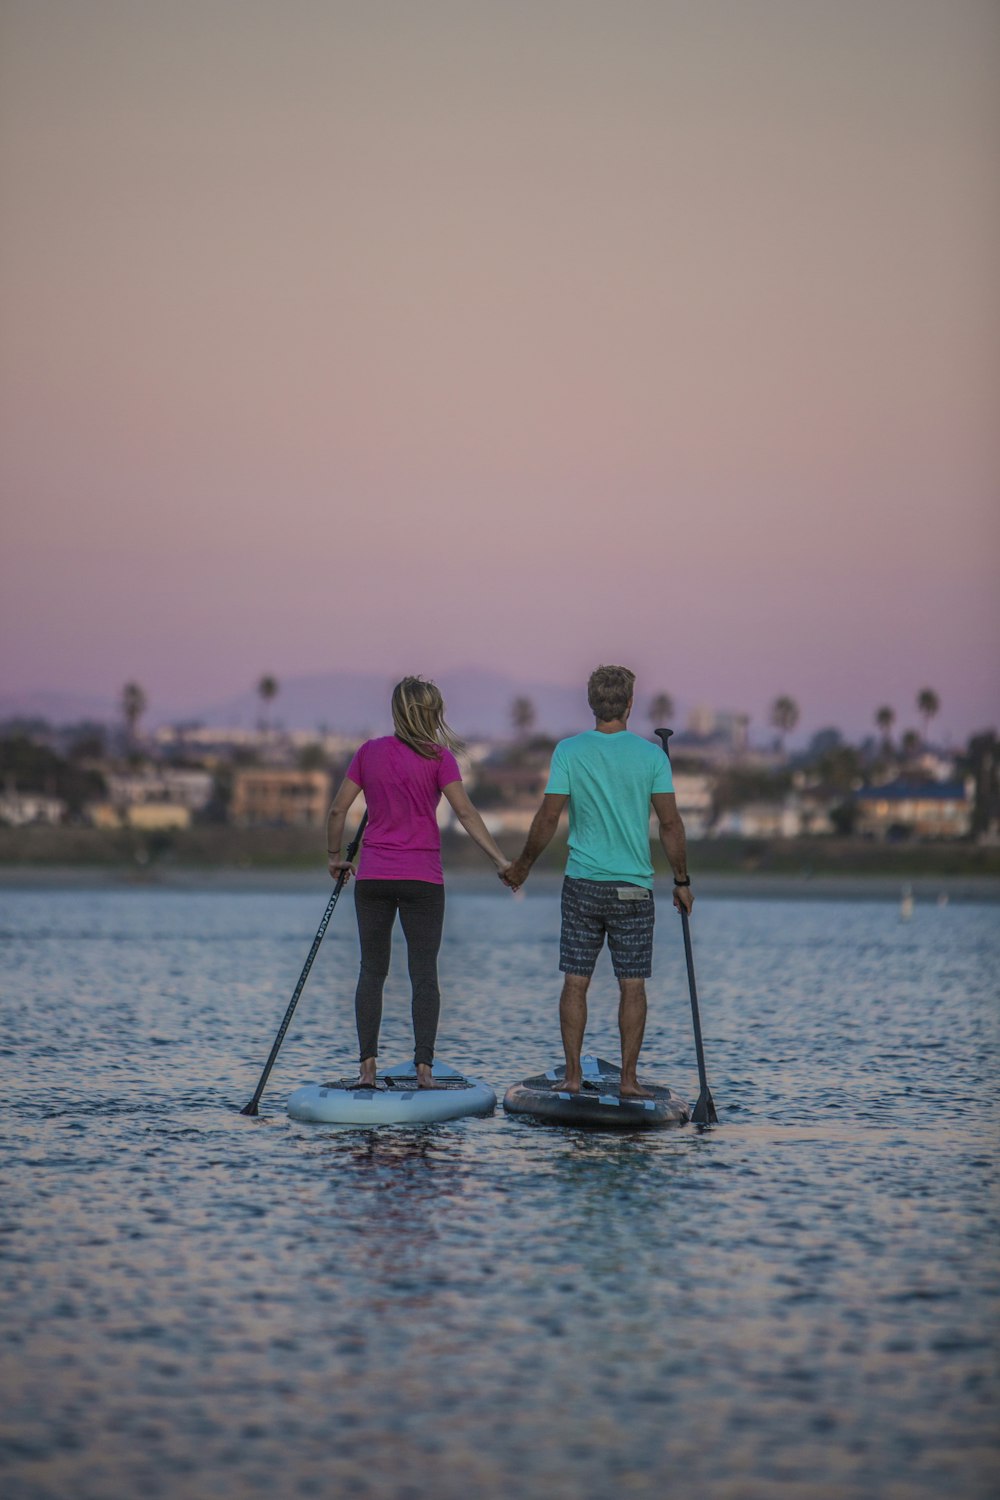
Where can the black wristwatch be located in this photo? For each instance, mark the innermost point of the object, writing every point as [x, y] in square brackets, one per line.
[685, 881]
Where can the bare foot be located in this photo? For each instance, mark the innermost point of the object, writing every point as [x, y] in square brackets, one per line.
[633, 1089]
[425, 1077]
[364, 1081]
[567, 1085]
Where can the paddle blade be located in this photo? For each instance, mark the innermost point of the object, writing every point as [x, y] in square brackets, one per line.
[704, 1111]
[249, 1109]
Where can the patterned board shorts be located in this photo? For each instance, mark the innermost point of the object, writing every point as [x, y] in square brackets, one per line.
[593, 909]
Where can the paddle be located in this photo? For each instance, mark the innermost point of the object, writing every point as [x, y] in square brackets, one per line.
[704, 1111]
[352, 849]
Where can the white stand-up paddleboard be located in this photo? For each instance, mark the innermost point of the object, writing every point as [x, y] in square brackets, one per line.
[395, 1099]
[598, 1103]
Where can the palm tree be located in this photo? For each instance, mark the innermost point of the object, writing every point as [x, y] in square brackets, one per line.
[661, 710]
[885, 717]
[522, 716]
[267, 691]
[928, 704]
[784, 717]
[133, 708]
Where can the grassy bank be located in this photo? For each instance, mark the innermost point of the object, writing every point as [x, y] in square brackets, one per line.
[303, 849]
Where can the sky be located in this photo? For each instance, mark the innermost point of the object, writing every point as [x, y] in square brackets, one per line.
[403, 337]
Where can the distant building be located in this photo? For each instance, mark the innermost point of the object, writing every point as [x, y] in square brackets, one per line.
[188, 788]
[926, 810]
[815, 808]
[270, 797]
[201, 737]
[759, 820]
[718, 738]
[156, 816]
[693, 791]
[701, 721]
[150, 817]
[17, 809]
[802, 813]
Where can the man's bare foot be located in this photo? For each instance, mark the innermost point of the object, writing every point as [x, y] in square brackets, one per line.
[568, 1085]
[425, 1076]
[632, 1089]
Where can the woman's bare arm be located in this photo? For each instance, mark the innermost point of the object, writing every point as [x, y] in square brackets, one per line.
[473, 824]
[347, 793]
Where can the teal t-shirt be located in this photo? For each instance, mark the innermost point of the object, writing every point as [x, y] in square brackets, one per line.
[609, 779]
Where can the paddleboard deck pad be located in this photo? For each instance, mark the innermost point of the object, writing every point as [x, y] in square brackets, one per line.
[599, 1102]
[395, 1100]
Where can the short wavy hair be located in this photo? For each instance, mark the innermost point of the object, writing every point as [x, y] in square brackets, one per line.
[609, 691]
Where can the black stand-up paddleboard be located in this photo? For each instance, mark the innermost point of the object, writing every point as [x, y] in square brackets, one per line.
[599, 1102]
[396, 1099]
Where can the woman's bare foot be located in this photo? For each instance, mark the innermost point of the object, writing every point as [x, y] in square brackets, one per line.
[425, 1076]
[366, 1074]
[571, 1084]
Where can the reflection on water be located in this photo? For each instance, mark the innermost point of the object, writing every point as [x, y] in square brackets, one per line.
[799, 1303]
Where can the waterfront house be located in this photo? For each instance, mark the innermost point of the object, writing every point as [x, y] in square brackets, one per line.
[906, 809]
[272, 798]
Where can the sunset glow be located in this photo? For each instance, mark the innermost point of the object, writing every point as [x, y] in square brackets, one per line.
[407, 337]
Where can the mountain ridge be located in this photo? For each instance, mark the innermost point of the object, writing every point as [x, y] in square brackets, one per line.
[477, 701]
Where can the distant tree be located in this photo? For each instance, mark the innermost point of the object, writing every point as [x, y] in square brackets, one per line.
[267, 691]
[909, 745]
[982, 762]
[823, 741]
[844, 817]
[522, 715]
[312, 757]
[133, 707]
[840, 769]
[89, 743]
[736, 786]
[928, 705]
[885, 717]
[784, 717]
[661, 710]
[29, 726]
[216, 809]
[30, 767]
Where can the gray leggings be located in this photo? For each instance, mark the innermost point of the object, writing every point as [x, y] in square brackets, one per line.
[420, 904]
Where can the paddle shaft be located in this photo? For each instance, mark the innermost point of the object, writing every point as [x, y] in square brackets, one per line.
[704, 1111]
[352, 849]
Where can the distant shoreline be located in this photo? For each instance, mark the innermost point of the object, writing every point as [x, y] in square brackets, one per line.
[926, 889]
[221, 857]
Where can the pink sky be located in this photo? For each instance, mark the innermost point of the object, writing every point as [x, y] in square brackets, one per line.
[400, 337]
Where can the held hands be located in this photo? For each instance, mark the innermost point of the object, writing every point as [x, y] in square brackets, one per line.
[515, 874]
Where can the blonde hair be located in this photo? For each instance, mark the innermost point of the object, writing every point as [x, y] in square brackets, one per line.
[418, 718]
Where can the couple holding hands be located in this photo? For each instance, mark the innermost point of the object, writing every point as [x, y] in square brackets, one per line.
[609, 777]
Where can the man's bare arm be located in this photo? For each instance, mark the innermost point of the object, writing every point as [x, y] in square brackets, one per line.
[674, 845]
[543, 827]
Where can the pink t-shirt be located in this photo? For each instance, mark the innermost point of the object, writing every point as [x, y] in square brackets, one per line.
[402, 790]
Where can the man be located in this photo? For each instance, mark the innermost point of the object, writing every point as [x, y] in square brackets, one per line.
[609, 777]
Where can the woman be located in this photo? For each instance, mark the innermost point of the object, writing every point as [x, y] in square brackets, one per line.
[403, 777]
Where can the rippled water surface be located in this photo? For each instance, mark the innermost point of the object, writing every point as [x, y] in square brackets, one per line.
[801, 1302]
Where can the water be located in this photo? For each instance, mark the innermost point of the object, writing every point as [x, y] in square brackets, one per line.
[801, 1303]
